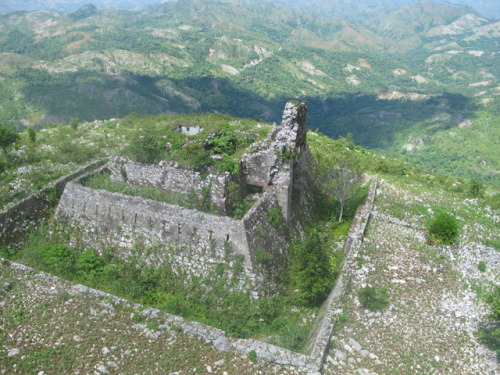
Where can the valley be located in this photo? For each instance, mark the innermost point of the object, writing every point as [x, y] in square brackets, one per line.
[381, 81]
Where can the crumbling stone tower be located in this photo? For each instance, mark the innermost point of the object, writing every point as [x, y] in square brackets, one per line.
[280, 166]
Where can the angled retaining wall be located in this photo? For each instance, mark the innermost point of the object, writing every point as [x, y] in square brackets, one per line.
[321, 333]
[18, 218]
[193, 240]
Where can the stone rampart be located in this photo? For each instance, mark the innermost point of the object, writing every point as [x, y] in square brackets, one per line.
[191, 241]
[195, 241]
[268, 240]
[321, 333]
[169, 177]
[18, 218]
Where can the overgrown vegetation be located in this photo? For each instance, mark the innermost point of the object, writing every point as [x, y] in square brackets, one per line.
[443, 228]
[192, 201]
[37, 157]
[233, 311]
[373, 298]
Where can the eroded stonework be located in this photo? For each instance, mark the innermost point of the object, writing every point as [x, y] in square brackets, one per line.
[253, 250]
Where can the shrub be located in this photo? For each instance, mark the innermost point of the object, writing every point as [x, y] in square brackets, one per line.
[310, 271]
[57, 258]
[145, 148]
[476, 188]
[32, 134]
[7, 138]
[74, 123]
[481, 266]
[444, 228]
[373, 298]
[89, 262]
[225, 142]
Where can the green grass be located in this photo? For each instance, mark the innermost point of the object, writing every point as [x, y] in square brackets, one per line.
[235, 312]
[102, 181]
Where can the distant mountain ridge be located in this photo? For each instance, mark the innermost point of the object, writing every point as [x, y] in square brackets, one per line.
[342, 9]
[393, 82]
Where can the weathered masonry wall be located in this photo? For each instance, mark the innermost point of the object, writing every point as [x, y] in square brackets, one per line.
[17, 219]
[279, 163]
[193, 240]
[269, 243]
[168, 176]
[310, 363]
[320, 336]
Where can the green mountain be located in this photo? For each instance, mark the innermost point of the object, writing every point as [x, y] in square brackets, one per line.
[341, 9]
[364, 9]
[383, 81]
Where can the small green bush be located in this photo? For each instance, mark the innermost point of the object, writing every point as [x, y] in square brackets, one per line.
[57, 258]
[373, 298]
[482, 266]
[32, 134]
[444, 228]
[89, 262]
[145, 148]
[476, 188]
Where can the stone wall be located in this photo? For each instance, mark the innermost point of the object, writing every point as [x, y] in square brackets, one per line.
[321, 333]
[194, 241]
[18, 218]
[169, 177]
[269, 243]
[278, 163]
[310, 363]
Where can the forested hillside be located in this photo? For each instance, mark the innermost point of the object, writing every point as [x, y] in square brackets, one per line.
[397, 85]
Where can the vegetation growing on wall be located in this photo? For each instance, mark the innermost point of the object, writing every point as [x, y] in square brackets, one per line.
[102, 181]
[55, 151]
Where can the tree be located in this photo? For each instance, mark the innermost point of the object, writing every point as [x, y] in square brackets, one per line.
[74, 123]
[345, 180]
[7, 137]
[476, 188]
[310, 270]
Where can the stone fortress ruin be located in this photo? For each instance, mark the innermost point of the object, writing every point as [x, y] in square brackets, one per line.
[252, 250]
[250, 253]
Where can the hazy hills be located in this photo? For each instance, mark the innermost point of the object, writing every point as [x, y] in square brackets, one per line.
[364, 9]
[425, 66]
[342, 9]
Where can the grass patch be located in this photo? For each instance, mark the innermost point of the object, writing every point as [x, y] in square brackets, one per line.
[236, 312]
[102, 181]
[373, 298]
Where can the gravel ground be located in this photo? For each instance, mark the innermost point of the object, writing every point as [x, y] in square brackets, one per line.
[434, 312]
[48, 329]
